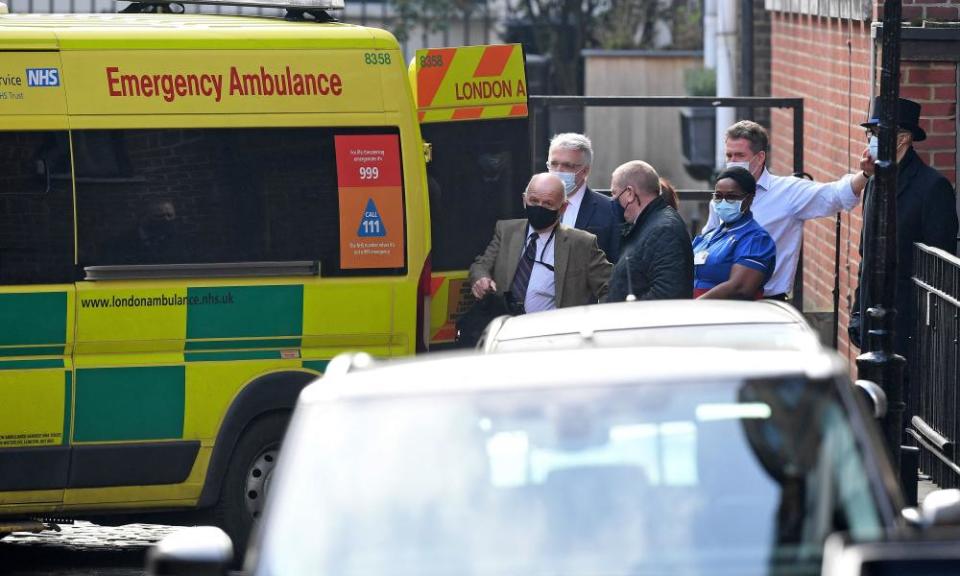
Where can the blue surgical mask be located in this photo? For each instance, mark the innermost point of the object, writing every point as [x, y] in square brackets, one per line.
[728, 211]
[569, 181]
[874, 147]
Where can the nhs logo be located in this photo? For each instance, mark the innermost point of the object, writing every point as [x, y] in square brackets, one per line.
[43, 77]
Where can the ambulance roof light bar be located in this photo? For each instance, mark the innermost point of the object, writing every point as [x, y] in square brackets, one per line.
[294, 8]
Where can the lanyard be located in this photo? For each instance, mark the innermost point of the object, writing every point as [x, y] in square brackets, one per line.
[544, 250]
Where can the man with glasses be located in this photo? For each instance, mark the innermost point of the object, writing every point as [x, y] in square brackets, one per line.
[656, 261]
[926, 213]
[569, 159]
[783, 203]
[541, 262]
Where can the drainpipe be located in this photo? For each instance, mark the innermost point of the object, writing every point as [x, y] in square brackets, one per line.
[710, 34]
[726, 87]
[746, 55]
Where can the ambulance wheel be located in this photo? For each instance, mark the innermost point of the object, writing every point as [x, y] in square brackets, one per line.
[248, 478]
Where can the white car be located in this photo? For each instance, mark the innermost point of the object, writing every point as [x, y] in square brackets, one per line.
[587, 461]
[761, 325]
[619, 461]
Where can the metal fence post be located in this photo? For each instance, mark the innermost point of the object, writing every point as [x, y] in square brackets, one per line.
[879, 362]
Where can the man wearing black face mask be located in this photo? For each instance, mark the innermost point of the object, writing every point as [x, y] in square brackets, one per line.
[542, 263]
[656, 258]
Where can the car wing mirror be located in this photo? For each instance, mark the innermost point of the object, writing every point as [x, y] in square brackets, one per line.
[198, 551]
[875, 396]
[939, 508]
[906, 557]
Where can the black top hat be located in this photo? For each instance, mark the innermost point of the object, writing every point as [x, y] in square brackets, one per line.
[908, 117]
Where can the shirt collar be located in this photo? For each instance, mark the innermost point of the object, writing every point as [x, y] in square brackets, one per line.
[741, 222]
[577, 196]
[540, 235]
[764, 180]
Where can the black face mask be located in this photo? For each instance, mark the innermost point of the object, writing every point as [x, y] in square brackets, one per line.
[540, 217]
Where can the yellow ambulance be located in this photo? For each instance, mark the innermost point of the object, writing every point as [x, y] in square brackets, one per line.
[196, 213]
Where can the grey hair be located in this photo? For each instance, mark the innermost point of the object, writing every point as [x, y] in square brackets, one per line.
[751, 132]
[574, 141]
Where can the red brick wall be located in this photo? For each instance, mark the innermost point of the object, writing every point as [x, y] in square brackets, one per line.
[934, 86]
[915, 11]
[827, 62]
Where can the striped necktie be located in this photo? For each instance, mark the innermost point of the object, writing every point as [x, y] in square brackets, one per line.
[522, 278]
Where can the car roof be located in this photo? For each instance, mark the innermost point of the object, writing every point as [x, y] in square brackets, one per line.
[455, 373]
[647, 314]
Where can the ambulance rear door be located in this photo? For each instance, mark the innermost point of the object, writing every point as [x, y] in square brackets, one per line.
[472, 107]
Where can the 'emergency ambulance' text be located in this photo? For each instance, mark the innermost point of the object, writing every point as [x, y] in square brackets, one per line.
[237, 83]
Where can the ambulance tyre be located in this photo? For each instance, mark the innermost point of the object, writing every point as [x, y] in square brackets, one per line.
[248, 477]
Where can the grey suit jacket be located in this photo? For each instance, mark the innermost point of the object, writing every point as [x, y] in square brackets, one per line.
[581, 271]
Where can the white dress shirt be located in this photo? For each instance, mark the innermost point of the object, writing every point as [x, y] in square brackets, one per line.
[541, 291]
[573, 208]
[781, 206]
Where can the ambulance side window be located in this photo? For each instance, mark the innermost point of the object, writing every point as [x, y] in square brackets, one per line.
[478, 173]
[212, 196]
[36, 208]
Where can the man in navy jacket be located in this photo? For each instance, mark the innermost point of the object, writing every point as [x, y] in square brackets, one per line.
[569, 158]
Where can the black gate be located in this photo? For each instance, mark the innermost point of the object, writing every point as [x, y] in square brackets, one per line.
[934, 363]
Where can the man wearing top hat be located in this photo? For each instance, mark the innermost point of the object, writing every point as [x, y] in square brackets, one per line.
[926, 212]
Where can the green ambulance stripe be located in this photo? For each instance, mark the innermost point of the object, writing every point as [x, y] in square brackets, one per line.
[31, 364]
[229, 355]
[56, 350]
[129, 404]
[245, 312]
[33, 319]
[318, 365]
[242, 344]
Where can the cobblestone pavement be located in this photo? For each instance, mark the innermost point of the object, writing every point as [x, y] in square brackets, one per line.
[85, 549]
[80, 549]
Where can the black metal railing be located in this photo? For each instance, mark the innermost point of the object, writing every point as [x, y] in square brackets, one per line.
[934, 363]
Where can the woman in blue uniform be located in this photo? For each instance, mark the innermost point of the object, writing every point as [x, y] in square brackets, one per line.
[735, 259]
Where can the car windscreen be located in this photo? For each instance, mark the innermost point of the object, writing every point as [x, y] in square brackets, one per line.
[759, 336]
[701, 478]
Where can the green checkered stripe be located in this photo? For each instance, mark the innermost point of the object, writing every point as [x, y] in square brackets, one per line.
[32, 324]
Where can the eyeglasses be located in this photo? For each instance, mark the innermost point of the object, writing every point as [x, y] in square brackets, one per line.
[565, 166]
[728, 197]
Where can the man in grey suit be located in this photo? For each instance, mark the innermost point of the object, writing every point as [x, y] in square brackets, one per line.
[543, 264]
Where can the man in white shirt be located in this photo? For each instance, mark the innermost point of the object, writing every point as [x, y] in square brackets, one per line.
[783, 203]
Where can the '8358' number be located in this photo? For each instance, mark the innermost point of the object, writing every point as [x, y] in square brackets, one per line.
[375, 58]
[431, 61]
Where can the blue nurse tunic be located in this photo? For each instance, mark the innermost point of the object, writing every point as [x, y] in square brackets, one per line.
[743, 242]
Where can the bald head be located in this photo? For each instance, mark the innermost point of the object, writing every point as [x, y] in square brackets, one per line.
[546, 190]
[638, 174]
